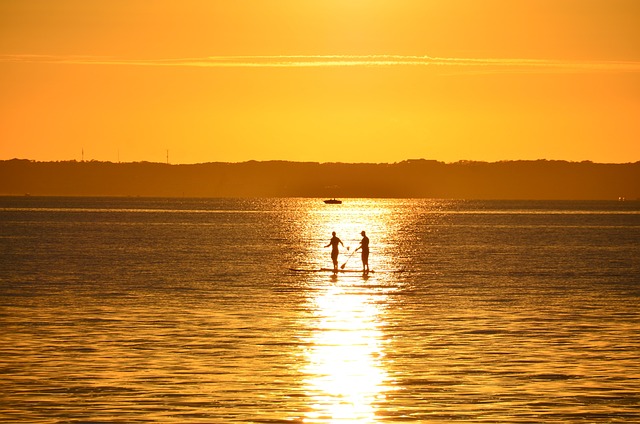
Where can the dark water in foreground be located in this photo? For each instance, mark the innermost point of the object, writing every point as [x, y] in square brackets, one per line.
[159, 310]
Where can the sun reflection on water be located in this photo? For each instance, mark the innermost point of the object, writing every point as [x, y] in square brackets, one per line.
[316, 222]
[346, 376]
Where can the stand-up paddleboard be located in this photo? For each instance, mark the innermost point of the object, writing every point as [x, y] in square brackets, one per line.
[359, 271]
[352, 271]
[344, 271]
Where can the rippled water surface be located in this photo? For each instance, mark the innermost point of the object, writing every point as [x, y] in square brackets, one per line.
[188, 310]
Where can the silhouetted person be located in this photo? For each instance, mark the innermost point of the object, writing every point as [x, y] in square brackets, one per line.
[364, 246]
[334, 242]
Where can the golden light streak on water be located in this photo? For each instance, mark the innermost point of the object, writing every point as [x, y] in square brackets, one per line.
[346, 378]
[378, 218]
[346, 375]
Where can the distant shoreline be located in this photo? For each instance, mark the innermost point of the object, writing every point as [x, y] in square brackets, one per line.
[421, 160]
[507, 180]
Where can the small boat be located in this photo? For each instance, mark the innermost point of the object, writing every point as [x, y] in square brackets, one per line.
[333, 202]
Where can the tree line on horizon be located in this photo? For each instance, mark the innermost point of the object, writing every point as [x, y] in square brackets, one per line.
[420, 178]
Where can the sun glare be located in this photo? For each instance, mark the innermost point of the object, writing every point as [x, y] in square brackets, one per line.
[348, 220]
[346, 377]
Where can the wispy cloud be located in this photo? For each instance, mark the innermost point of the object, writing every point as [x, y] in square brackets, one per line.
[489, 65]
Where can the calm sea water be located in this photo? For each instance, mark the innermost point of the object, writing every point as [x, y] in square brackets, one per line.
[186, 310]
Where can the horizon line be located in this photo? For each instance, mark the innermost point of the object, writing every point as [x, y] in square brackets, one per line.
[461, 161]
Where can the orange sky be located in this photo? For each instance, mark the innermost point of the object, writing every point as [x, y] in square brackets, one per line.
[320, 80]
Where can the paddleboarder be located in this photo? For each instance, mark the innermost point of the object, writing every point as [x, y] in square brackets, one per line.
[334, 242]
[364, 247]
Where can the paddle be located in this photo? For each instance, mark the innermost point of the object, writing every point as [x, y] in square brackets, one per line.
[345, 262]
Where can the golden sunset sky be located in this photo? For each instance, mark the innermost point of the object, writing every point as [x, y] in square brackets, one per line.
[320, 80]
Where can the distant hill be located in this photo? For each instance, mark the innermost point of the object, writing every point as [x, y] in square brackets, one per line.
[539, 179]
